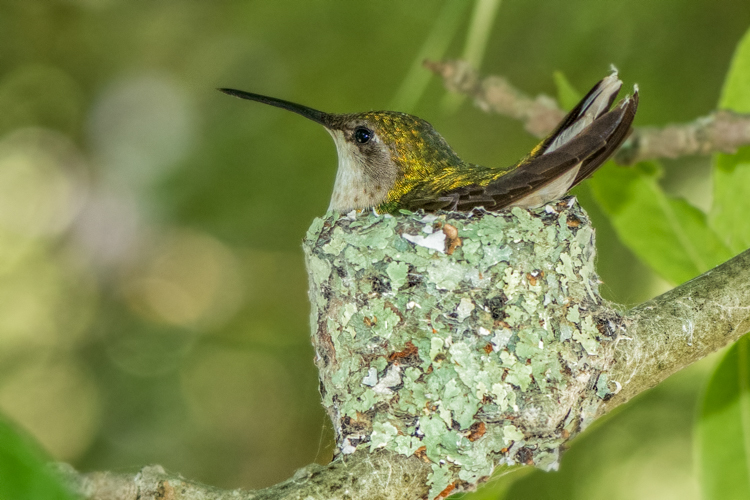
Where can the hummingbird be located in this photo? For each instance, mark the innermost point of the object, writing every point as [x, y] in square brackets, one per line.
[389, 161]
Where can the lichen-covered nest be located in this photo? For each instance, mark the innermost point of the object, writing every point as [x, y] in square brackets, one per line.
[468, 339]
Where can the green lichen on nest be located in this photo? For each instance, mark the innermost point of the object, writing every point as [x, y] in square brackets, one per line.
[469, 352]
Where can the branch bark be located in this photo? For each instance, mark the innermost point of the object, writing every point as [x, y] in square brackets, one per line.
[362, 475]
[681, 327]
[718, 132]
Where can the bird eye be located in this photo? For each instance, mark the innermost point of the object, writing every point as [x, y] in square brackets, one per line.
[362, 135]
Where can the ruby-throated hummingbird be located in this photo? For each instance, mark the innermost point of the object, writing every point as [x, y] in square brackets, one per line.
[390, 160]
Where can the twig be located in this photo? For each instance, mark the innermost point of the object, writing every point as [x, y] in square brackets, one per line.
[539, 115]
[359, 476]
[719, 132]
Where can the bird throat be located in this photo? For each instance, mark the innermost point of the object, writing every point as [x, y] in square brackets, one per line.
[357, 185]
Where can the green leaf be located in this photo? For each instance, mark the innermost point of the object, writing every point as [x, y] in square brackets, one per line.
[667, 233]
[567, 95]
[735, 94]
[732, 172]
[24, 470]
[723, 428]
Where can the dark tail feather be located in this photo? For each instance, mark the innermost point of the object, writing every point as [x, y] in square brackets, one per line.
[615, 141]
[593, 105]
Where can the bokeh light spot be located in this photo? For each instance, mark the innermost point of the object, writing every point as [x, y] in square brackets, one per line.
[41, 186]
[141, 127]
[57, 402]
[46, 302]
[189, 279]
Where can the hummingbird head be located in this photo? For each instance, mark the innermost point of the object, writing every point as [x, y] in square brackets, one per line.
[379, 152]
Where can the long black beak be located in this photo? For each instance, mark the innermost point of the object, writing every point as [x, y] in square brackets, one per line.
[312, 114]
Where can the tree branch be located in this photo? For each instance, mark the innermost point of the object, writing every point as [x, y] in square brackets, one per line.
[719, 132]
[681, 327]
[359, 476]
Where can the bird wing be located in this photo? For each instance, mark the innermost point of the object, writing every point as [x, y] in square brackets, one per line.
[580, 144]
[537, 181]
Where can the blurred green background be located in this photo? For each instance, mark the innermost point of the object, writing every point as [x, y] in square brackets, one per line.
[152, 289]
